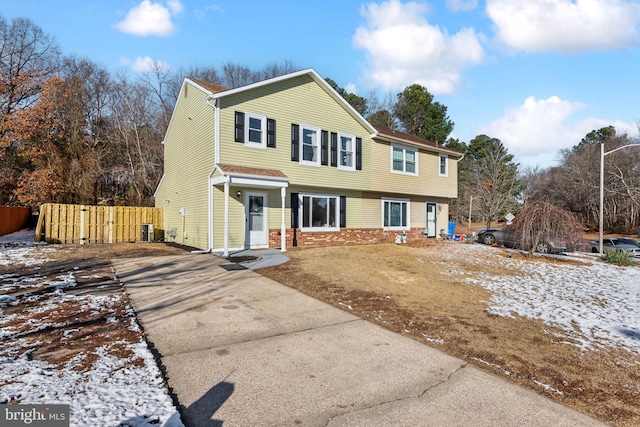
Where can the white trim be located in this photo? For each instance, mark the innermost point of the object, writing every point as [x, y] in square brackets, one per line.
[303, 229]
[404, 149]
[353, 151]
[216, 134]
[155, 193]
[318, 145]
[283, 226]
[446, 164]
[396, 200]
[263, 130]
[315, 77]
[265, 217]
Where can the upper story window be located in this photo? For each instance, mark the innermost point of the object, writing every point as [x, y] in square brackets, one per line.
[313, 146]
[444, 165]
[254, 130]
[346, 153]
[404, 160]
[310, 145]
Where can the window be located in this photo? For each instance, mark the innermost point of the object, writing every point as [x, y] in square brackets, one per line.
[310, 146]
[395, 214]
[319, 212]
[255, 131]
[444, 165]
[404, 160]
[346, 154]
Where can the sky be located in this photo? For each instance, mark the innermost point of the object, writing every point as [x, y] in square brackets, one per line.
[537, 74]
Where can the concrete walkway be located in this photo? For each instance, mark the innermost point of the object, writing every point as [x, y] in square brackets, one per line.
[243, 350]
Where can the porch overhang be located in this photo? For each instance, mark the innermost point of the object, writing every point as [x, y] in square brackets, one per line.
[248, 177]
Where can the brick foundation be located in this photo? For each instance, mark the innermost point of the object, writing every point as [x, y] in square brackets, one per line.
[346, 236]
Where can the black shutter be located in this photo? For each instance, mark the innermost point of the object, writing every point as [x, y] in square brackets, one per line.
[324, 153]
[343, 211]
[239, 133]
[334, 149]
[294, 210]
[359, 154]
[271, 133]
[295, 142]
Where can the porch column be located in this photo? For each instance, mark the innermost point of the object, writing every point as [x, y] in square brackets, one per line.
[226, 218]
[283, 236]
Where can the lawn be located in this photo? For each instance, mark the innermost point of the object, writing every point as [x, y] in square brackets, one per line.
[567, 327]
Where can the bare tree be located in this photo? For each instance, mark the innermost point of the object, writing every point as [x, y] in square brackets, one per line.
[28, 58]
[538, 223]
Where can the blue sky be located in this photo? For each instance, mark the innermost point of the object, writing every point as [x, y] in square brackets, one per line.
[537, 74]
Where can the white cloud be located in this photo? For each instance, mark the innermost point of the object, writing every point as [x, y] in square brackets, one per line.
[538, 129]
[403, 48]
[143, 64]
[565, 25]
[201, 13]
[458, 5]
[351, 88]
[175, 6]
[150, 19]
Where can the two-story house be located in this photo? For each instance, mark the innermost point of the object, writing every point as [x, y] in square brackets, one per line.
[288, 162]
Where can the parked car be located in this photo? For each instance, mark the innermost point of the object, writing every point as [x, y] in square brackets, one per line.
[506, 236]
[629, 241]
[615, 244]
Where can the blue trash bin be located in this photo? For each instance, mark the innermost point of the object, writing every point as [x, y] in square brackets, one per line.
[452, 229]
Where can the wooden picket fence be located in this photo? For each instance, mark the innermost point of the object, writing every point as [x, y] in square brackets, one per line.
[62, 223]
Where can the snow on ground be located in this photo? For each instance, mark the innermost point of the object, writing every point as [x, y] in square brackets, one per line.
[114, 391]
[595, 304]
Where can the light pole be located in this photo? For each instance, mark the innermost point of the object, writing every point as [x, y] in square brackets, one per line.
[602, 154]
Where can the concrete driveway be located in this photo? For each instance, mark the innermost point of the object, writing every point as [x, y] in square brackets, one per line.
[239, 349]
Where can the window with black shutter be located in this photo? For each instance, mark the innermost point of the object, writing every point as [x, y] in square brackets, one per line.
[271, 133]
[334, 149]
[343, 211]
[239, 127]
[359, 154]
[324, 148]
[295, 142]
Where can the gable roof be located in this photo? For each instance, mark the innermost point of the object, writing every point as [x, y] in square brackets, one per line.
[209, 87]
[392, 135]
[216, 91]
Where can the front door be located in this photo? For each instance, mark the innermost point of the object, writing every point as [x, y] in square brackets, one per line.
[431, 219]
[256, 220]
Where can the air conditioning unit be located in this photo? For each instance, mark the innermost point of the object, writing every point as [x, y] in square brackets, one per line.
[146, 232]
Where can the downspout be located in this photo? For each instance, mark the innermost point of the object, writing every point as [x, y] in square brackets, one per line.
[214, 104]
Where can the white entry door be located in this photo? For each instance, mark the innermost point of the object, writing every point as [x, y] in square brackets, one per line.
[256, 220]
[431, 219]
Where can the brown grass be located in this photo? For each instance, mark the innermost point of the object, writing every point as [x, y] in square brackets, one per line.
[401, 288]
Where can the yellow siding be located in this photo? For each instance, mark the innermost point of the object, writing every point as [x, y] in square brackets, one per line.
[428, 182]
[372, 210]
[189, 159]
[236, 219]
[299, 101]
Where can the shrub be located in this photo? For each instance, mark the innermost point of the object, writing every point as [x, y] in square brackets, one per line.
[618, 258]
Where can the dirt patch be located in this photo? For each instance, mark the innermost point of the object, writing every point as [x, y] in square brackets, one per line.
[416, 291]
[74, 330]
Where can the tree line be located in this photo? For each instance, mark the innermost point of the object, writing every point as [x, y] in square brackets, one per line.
[73, 132]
